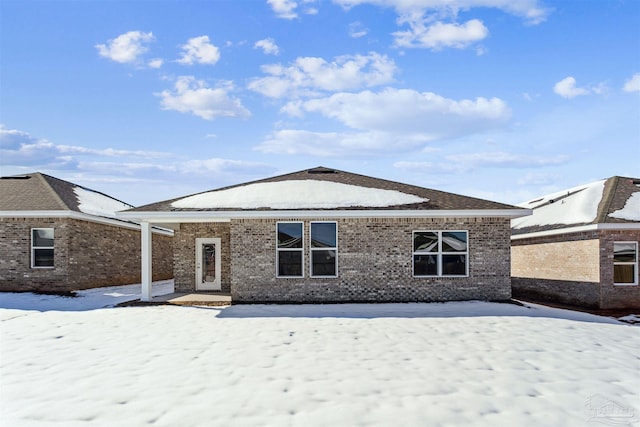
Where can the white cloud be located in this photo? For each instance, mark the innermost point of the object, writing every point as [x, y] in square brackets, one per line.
[440, 35]
[390, 121]
[18, 148]
[268, 46]
[567, 88]
[531, 10]
[633, 84]
[408, 111]
[337, 144]
[308, 75]
[469, 161]
[226, 166]
[433, 23]
[287, 9]
[127, 47]
[357, 30]
[284, 8]
[155, 63]
[193, 96]
[199, 50]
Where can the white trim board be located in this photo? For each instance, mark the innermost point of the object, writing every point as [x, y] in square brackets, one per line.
[226, 216]
[578, 229]
[82, 217]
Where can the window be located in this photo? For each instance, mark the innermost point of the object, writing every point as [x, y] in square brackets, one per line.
[41, 247]
[324, 248]
[440, 253]
[625, 263]
[289, 250]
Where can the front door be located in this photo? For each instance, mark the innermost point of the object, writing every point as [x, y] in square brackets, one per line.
[208, 264]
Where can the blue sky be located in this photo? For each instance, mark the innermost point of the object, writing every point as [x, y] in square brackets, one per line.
[150, 100]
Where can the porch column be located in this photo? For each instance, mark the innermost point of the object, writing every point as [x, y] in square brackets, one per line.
[146, 257]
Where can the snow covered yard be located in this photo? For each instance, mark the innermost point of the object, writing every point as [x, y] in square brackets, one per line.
[453, 364]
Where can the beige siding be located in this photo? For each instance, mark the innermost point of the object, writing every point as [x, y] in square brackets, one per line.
[577, 261]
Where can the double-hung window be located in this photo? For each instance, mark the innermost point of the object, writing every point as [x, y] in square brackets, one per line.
[440, 253]
[41, 247]
[324, 248]
[290, 249]
[625, 263]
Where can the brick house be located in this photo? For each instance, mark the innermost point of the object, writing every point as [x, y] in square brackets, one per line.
[580, 246]
[56, 236]
[323, 235]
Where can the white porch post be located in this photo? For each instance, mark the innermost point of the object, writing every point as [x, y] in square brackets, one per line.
[146, 257]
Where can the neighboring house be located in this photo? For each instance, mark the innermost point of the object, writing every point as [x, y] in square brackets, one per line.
[580, 246]
[56, 236]
[323, 235]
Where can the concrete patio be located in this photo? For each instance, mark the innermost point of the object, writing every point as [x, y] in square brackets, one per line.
[184, 298]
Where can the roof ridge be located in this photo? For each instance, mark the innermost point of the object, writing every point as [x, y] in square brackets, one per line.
[611, 186]
[43, 177]
[74, 185]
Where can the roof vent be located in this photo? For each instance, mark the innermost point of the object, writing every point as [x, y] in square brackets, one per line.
[321, 170]
[16, 177]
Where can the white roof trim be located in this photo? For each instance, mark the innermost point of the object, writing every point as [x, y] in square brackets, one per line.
[80, 216]
[579, 229]
[223, 216]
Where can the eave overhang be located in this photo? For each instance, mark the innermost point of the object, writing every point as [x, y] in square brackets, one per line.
[225, 216]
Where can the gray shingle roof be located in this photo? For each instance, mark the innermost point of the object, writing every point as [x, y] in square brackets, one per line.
[615, 194]
[437, 200]
[39, 192]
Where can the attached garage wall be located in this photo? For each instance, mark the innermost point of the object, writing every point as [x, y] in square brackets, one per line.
[577, 261]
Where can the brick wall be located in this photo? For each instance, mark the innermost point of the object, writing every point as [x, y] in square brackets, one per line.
[184, 259]
[374, 263]
[579, 285]
[616, 296]
[86, 255]
[16, 273]
[576, 260]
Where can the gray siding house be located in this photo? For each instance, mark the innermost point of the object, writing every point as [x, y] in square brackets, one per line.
[324, 235]
[580, 246]
[56, 236]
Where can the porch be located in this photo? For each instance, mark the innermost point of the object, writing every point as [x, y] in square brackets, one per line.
[194, 298]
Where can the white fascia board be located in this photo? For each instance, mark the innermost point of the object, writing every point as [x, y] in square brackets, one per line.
[82, 217]
[578, 229]
[226, 216]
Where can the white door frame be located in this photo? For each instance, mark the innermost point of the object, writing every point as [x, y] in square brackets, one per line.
[201, 285]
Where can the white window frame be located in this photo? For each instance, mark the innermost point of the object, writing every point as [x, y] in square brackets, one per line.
[278, 250]
[328, 248]
[634, 263]
[439, 254]
[34, 248]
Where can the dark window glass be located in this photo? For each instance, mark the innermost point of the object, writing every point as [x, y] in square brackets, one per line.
[323, 263]
[624, 273]
[43, 237]
[425, 241]
[454, 241]
[425, 265]
[289, 263]
[624, 252]
[289, 235]
[454, 265]
[43, 257]
[323, 234]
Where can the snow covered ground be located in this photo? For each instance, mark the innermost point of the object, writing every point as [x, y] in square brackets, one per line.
[69, 363]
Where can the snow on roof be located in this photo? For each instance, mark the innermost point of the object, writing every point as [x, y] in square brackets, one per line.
[631, 209]
[578, 205]
[297, 194]
[94, 203]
